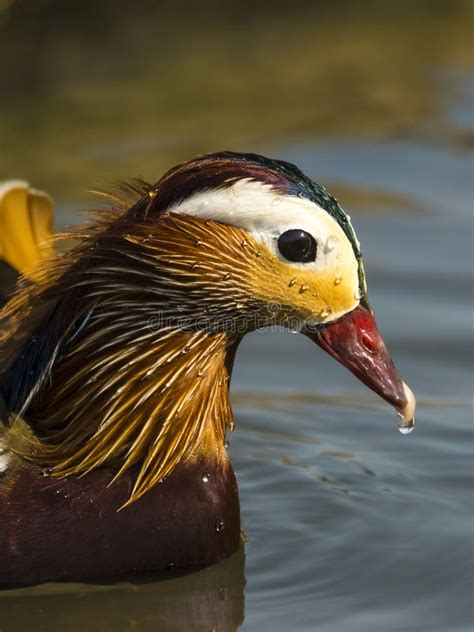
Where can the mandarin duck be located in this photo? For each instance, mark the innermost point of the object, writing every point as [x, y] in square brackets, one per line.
[116, 360]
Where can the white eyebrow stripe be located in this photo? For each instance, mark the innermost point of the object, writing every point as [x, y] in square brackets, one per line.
[246, 204]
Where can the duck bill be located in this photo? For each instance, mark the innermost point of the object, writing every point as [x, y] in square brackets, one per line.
[355, 341]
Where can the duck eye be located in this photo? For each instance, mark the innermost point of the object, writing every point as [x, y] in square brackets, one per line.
[297, 245]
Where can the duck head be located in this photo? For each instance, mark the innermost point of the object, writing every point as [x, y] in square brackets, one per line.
[289, 257]
[131, 347]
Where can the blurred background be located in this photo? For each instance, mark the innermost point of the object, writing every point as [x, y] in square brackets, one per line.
[350, 525]
[100, 90]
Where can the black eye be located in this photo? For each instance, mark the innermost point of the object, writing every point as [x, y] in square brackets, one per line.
[297, 245]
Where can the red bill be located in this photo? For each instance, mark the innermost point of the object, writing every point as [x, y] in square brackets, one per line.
[355, 341]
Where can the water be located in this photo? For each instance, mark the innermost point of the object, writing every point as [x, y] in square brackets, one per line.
[350, 525]
[405, 430]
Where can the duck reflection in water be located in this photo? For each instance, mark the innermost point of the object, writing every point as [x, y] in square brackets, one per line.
[211, 599]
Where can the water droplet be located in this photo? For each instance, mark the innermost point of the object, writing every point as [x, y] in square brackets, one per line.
[205, 478]
[348, 217]
[304, 287]
[227, 276]
[338, 280]
[219, 525]
[239, 305]
[152, 194]
[199, 242]
[186, 349]
[405, 426]
[324, 313]
[292, 282]
[244, 243]
[331, 243]
[258, 254]
[201, 373]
